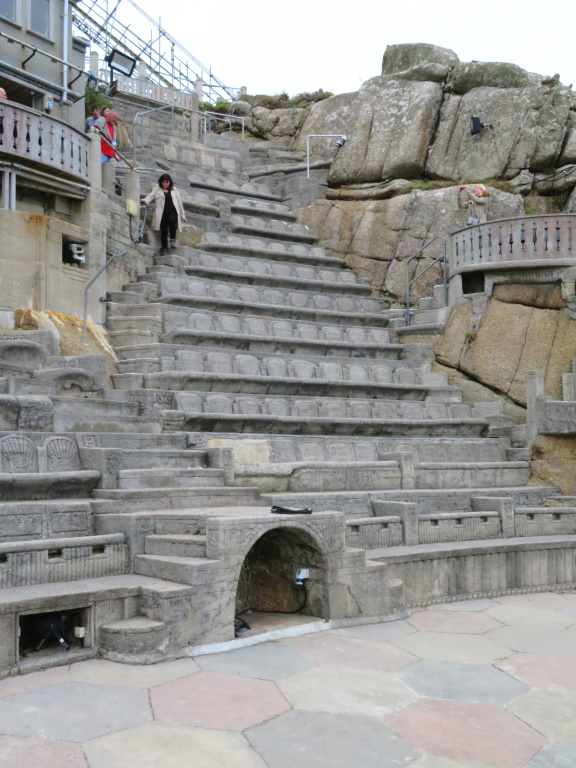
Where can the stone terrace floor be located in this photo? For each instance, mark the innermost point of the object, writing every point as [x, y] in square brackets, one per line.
[462, 685]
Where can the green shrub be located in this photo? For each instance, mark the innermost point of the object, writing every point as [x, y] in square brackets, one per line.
[95, 99]
[470, 336]
[528, 209]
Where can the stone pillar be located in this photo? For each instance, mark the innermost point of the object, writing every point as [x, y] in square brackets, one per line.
[534, 390]
[132, 193]
[108, 177]
[94, 62]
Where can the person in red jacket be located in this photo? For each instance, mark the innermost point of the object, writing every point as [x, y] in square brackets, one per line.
[108, 131]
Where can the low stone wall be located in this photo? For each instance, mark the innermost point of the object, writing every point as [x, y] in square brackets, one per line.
[475, 570]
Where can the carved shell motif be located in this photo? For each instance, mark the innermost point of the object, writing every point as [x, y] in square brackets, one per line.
[62, 455]
[18, 454]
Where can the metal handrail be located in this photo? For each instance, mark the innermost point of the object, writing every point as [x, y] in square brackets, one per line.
[105, 267]
[225, 118]
[141, 115]
[410, 283]
[341, 139]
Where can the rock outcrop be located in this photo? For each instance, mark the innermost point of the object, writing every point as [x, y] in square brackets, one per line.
[377, 236]
[414, 120]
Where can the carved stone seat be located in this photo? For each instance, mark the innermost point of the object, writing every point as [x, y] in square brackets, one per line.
[35, 467]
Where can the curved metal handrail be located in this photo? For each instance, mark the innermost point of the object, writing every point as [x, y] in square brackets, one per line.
[410, 283]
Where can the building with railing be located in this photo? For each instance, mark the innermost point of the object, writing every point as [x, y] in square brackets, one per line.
[52, 221]
[502, 250]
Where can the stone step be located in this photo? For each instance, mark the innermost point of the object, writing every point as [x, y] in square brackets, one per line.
[124, 297]
[247, 207]
[134, 640]
[267, 248]
[175, 441]
[271, 228]
[301, 306]
[179, 545]
[254, 271]
[233, 188]
[284, 385]
[174, 319]
[92, 407]
[267, 343]
[185, 570]
[85, 422]
[120, 501]
[317, 416]
[178, 357]
[317, 283]
[169, 477]
[165, 460]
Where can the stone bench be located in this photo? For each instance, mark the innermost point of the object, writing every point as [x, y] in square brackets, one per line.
[467, 462]
[267, 249]
[35, 467]
[300, 277]
[300, 415]
[227, 371]
[199, 288]
[165, 357]
[275, 228]
[213, 183]
[262, 208]
[181, 326]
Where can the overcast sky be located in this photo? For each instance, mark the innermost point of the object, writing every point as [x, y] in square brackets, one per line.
[303, 45]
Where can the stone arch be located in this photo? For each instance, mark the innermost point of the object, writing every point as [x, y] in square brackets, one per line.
[265, 579]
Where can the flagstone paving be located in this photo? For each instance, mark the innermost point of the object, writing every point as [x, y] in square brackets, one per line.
[479, 684]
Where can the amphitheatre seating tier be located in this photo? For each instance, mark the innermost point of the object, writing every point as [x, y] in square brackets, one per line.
[152, 358]
[300, 415]
[277, 228]
[265, 210]
[270, 249]
[433, 463]
[243, 269]
[171, 288]
[233, 188]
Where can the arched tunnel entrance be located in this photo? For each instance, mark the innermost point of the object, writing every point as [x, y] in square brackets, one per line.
[267, 581]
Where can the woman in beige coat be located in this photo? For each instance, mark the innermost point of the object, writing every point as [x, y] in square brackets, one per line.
[168, 210]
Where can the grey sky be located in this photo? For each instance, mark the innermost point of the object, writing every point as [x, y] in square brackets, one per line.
[303, 45]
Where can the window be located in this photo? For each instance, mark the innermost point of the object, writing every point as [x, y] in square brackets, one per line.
[39, 17]
[8, 9]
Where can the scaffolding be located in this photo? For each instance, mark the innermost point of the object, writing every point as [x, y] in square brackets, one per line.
[167, 62]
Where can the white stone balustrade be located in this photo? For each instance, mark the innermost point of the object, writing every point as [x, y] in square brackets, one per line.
[526, 238]
[36, 138]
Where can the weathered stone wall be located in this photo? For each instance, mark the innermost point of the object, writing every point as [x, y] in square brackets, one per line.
[522, 328]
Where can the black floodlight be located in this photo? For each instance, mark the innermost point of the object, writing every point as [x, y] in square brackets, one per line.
[119, 62]
[476, 125]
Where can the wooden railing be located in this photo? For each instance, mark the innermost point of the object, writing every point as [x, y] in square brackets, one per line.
[525, 238]
[36, 138]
